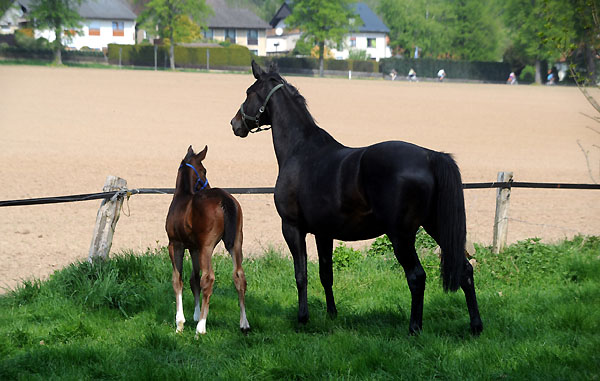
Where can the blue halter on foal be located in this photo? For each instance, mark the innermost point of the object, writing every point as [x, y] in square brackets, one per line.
[197, 174]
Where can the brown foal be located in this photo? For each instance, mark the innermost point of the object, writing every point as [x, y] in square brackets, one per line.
[199, 217]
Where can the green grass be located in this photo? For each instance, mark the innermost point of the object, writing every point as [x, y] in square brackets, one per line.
[540, 306]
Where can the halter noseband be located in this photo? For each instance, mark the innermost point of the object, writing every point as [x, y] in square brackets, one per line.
[197, 174]
[256, 118]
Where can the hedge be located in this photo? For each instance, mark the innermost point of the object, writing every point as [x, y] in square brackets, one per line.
[187, 57]
[310, 63]
[425, 67]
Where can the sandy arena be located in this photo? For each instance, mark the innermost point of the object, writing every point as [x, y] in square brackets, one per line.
[63, 130]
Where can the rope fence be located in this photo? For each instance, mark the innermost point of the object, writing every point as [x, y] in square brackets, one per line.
[267, 190]
[115, 192]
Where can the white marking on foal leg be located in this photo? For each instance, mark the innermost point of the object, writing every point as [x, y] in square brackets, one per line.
[197, 310]
[244, 325]
[201, 327]
[179, 318]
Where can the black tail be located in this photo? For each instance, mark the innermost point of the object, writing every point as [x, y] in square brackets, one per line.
[231, 216]
[450, 219]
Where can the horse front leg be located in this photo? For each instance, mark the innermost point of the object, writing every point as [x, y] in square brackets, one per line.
[468, 286]
[296, 241]
[176, 252]
[325, 250]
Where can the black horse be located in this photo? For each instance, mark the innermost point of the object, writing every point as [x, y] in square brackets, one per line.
[337, 192]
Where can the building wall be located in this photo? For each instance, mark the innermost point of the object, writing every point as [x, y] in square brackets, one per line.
[378, 52]
[105, 37]
[241, 38]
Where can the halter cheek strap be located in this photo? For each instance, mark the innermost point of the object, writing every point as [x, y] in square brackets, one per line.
[256, 118]
[198, 175]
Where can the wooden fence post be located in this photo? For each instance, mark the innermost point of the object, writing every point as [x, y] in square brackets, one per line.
[501, 218]
[106, 220]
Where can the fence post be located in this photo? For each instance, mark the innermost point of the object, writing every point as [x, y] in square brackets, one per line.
[501, 218]
[207, 59]
[106, 220]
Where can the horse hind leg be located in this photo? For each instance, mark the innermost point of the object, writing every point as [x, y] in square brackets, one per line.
[195, 282]
[468, 286]
[404, 249]
[176, 252]
[206, 284]
[239, 277]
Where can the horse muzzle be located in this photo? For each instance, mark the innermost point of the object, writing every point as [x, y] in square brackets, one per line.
[238, 126]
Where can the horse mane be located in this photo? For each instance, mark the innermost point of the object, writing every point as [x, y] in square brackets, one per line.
[298, 99]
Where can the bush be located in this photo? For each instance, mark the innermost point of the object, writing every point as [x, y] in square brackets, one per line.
[344, 256]
[527, 74]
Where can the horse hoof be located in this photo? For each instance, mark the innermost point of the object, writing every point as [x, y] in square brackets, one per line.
[414, 330]
[332, 314]
[476, 328]
[303, 319]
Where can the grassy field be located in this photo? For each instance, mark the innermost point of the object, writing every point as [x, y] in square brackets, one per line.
[115, 320]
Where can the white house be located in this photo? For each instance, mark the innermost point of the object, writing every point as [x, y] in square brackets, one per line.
[369, 34]
[104, 22]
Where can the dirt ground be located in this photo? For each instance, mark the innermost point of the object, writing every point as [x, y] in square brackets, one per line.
[63, 130]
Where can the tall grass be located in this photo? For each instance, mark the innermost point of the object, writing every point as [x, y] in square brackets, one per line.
[115, 320]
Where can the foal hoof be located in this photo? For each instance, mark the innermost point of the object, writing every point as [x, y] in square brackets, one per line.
[245, 330]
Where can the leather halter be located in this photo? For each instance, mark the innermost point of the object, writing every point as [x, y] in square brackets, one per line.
[198, 175]
[256, 118]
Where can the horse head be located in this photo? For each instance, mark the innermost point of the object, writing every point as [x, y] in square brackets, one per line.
[253, 113]
[192, 169]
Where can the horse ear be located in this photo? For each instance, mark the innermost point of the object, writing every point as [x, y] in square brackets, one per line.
[256, 70]
[273, 68]
[202, 154]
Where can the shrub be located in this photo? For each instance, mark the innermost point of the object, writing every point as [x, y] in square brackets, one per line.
[344, 256]
[527, 74]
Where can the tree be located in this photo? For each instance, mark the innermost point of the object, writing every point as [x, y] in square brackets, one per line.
[175, 20]
[526, 20]
[475, 33]
[417, 23]
[60, 16]
[322, 22]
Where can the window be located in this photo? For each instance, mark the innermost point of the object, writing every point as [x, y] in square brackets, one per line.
[209, 34]
[118, 28]
[230, 35]
[353, 42]
[371, 43]
[94, 29]
[252, 37]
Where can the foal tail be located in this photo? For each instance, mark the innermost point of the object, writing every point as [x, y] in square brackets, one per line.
[450, 220]
[231, 211]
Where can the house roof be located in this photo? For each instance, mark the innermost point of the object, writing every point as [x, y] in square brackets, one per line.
[283, 12]
[371, 22]
[97, 9]
[106, 9]
[227, 17]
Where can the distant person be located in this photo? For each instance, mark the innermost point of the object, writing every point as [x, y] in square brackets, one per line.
[550, 79]
[512, 79]
[393, 74]
[441, 75]
[412, 75]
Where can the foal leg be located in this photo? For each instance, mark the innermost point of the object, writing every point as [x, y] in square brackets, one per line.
[296, 241]
[404, 249]
[468, 286]
[325, 250]
[206, 283]
[176, 253]
[239, 279]
[195, 281]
